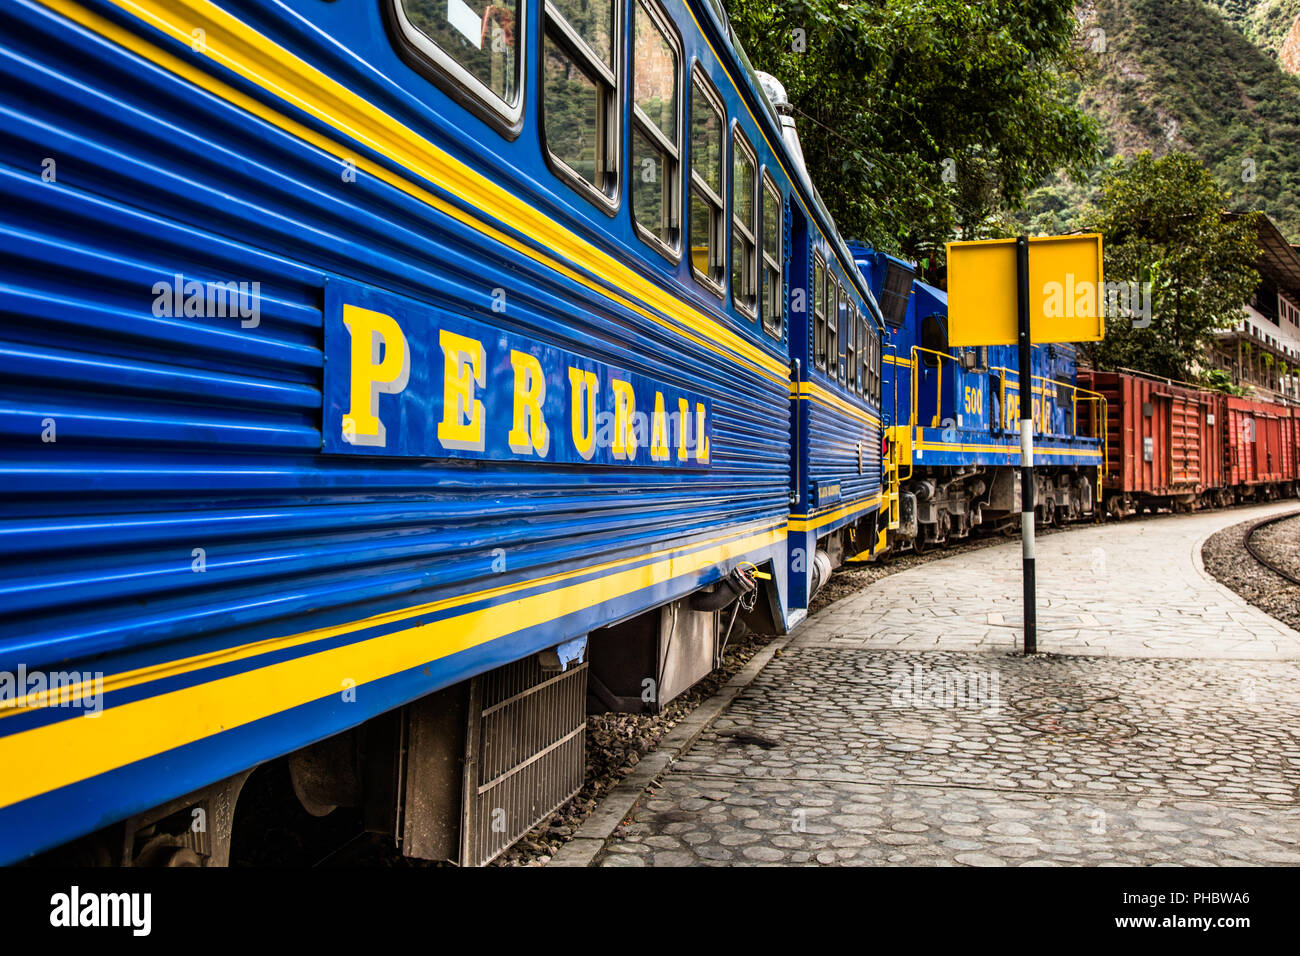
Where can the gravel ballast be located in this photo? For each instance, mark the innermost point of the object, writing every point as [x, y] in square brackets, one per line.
[1226, 558]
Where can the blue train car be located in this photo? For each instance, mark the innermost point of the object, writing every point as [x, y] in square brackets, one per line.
[382, 378]
[954, 445]
[836, 429]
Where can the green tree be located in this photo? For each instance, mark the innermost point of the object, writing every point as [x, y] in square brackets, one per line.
[931, 118]
[1162, 222]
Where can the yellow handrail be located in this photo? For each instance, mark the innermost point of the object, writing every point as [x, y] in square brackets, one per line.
[1101, 417]
[1100, 410]
[1040, 420]
[1077, 393]
[893, 446]
[938, 396]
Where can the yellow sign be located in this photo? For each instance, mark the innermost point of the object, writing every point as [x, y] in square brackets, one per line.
[1066, 294]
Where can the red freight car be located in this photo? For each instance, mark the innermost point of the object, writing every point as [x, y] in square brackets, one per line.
[1164, 443]
[1261, 453]
[1294, 443]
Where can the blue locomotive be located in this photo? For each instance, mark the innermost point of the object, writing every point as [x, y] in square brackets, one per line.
[383, 381]
[954, 422]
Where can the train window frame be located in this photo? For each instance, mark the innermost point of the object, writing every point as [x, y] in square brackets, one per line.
[930, 342]
[832, 325]
[771, 264]
[869, 388]
[850, 346]
[876, 376]
[842, 333]
[893, 300]
[670, 150]
[864, 355]
[880, 370]
[431, 60]
[557, 30]
[869, 362]
[700, 190]
[746, 303]
[819, 311]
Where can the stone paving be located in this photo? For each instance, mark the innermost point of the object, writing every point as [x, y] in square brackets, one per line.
[1167, 737]
[1130, 589]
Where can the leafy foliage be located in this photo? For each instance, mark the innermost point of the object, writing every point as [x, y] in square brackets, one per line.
[1264, 23]
[1162, 222]
[1173, 75]
[931, 117]
[1221, 381]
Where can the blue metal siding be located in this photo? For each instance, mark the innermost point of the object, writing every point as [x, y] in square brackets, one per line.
[182, 433]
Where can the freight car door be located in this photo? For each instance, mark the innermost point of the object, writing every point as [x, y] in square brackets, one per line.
[1185, 441]
[1159, 470]
[1268, 447]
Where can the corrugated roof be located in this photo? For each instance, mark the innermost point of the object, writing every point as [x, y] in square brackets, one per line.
[1278, 259]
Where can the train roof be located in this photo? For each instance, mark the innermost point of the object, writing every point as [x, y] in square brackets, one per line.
[929, 299]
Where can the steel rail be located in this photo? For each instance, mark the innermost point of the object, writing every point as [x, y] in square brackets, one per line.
[1249, 542]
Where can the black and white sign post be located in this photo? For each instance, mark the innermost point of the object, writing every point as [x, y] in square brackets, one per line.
[1026, 447]
[993, 301]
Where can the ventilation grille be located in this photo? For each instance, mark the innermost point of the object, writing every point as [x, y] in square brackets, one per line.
[528, 753]
[896, 293]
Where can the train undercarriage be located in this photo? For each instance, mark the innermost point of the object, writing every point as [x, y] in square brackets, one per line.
[461, 774]
[1118, 504]
[941, 506]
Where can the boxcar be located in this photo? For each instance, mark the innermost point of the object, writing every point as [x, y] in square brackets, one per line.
[1261, 448]
[1177, 446]
[1166, 442]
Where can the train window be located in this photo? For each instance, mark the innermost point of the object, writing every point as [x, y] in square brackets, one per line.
[863, 359]
[706, 183]
[744, 225]
[832, 329]
[880, 369]
[591, 21]
[841, 320]
[656, 145]
[819, 312]
[870, 384]
[875, 362]
[773, 291]
[934, 338]
[475, 45]
[875, 366]
[580, 118]
[850, 346]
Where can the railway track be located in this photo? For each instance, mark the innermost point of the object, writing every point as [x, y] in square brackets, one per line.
[1249, 541]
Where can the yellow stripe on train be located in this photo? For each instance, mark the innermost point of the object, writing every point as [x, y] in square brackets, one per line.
[236, 46]
[74, 749]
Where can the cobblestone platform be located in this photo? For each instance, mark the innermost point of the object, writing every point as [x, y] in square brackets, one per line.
[1128, 589]
[1169, 735]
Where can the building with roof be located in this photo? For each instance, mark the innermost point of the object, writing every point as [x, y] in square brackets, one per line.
[1262, 353]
